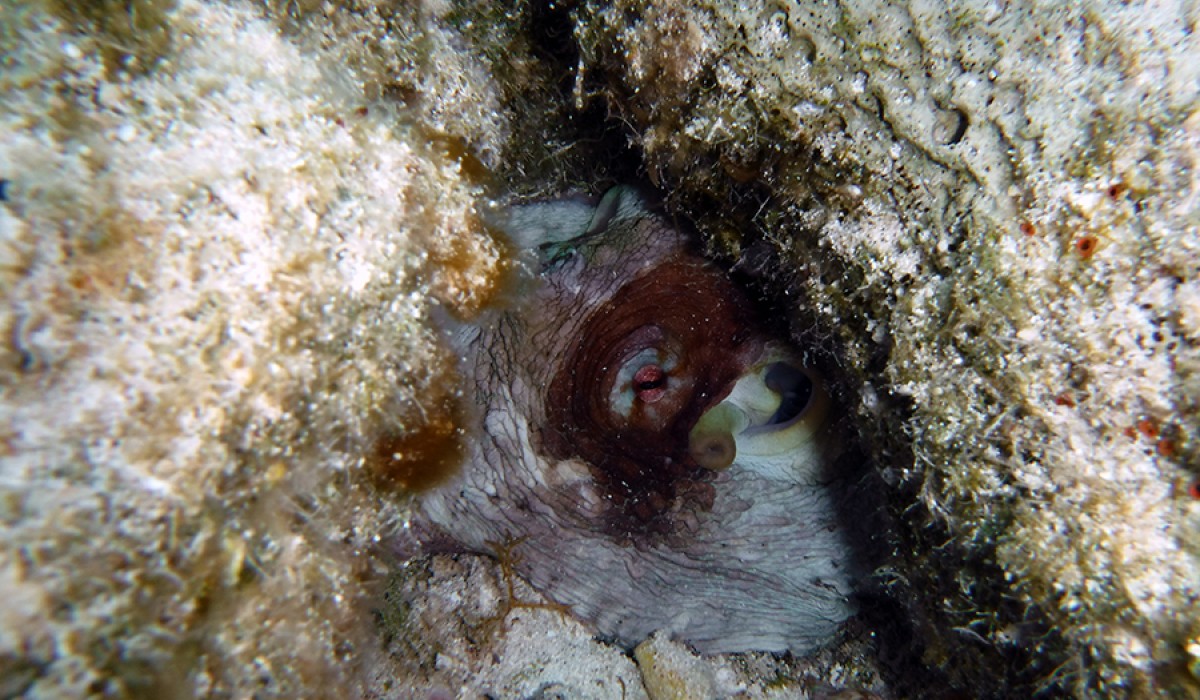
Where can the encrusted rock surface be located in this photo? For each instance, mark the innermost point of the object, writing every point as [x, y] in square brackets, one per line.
[464, 627]
[992, 209]
[224, 228]
[218, 265]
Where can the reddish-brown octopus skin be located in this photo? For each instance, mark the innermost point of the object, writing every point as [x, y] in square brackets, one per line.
[582, 396]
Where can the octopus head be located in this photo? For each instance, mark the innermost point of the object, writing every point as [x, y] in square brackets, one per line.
[663, 461]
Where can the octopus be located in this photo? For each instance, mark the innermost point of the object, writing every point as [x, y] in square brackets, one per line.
[651, 457]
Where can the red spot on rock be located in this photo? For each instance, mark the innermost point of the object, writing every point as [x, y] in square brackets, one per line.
[1166, 447]
[1086, 246]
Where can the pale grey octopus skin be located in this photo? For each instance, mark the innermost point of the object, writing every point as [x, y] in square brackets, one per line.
[743, 556]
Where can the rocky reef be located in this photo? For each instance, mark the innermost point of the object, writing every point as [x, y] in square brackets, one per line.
[993, 212]
[227, 230]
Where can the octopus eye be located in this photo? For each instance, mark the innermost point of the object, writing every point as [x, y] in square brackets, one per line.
[650, 383]
[647, 376]
[768, 423]
[641, 369]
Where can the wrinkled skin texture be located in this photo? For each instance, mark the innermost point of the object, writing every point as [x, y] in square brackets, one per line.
[641, 451]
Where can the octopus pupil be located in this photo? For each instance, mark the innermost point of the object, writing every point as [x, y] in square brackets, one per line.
[649, 383]
[654, 384]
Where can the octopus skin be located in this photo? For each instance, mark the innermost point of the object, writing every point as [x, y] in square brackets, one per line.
[647, 455]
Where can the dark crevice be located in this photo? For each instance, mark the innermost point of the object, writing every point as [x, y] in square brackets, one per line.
[770, 248]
